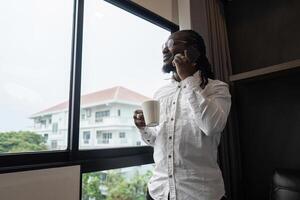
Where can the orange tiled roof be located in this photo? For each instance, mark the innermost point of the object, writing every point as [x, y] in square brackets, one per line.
[118, 93]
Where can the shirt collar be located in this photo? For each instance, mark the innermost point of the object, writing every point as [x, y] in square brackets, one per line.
[196, 75]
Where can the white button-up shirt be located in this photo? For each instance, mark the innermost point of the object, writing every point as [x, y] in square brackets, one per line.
[186, 140]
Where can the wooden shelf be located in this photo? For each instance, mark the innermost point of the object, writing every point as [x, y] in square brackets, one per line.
[266, 70]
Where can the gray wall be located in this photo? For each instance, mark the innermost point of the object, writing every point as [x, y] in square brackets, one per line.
[269, 130]
[263, 33]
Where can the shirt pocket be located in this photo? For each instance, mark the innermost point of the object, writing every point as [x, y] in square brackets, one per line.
[190, 138]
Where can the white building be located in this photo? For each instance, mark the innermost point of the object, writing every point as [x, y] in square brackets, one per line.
[105, 120]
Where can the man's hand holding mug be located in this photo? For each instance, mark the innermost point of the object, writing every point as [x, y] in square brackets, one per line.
[139, 119]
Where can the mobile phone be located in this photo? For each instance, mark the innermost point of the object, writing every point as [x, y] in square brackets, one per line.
[192, 54]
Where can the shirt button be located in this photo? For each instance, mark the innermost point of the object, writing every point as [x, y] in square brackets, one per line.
[184, 86]
[174, 102]
[170, 156]
[170, 137]
[178, 86]
[172, 119]
[170, 176]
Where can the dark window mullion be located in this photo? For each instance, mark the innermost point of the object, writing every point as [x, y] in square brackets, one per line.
[100, 164]
[75, 92]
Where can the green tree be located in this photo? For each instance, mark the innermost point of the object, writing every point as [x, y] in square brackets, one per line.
[139, 184]
[132, 189]
[21, 141]
[91, 184]
[115, 185]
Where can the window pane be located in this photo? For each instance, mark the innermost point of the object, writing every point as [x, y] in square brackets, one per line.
[35, 55]
[124, 183]
[122, 63]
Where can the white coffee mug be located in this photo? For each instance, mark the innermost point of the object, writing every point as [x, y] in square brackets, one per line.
[151, 111]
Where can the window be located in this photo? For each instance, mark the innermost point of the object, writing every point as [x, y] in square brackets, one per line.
[100, 115]
[36, 42]
[42, 123]
[85, 113]
[54, 144]
[88, 112]
[86, 137]
[106, 137]
[122, 134]
[46, 135]
[121, 47]
[99, 137]
[54, 127]
[103, 137]
[38, 52]
[128, 183]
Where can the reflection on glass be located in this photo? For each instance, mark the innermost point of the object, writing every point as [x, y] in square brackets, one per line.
[121, 68]
[35, 54]
[125, 183]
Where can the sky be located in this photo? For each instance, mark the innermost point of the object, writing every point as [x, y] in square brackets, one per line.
[119, 49]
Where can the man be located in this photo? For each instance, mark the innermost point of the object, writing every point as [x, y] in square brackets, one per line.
[193, 113]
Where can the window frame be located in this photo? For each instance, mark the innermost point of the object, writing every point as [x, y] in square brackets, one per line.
[101, 114]
[90, 160]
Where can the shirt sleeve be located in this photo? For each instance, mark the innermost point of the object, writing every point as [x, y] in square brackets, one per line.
[148, 135]
[210, 106]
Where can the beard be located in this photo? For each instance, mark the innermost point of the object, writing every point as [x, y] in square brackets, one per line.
[168, 66]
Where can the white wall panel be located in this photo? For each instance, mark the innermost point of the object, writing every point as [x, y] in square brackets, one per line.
[168, 9]
[61, 183]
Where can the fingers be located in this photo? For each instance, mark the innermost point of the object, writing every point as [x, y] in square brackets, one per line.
[180, 59]
[138, 114]
[177, 60]
[185, 53]
[139, 118]
[138, 111]
[139, 123]
[179, 56]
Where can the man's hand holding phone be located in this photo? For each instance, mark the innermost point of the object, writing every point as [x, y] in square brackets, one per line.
[184, 66]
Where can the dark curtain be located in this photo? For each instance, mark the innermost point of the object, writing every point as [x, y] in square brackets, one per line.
[207, 18]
